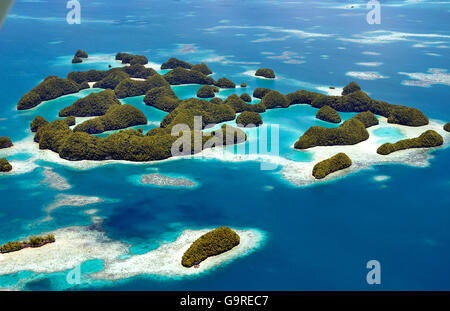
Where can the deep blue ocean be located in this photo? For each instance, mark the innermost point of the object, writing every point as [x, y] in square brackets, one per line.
[316, 238]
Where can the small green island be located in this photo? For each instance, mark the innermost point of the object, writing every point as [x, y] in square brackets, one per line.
[5, 142]
[131, 59]
[78, 57]
[213, 243]
[245, 97]
[5, 166]
[173, 63]
[225, 83]
[93, 105]
[249, 118]
[328, 114]
[447, 127]
[260, 92]
[265, 72]
[34, 241]
[427, 139]
[206, 91]
[336, 163]
[239, 105]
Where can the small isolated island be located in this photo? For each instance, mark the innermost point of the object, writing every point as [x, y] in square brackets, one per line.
[76, 60]
[243, 85]
[265, 72]
[81, 54]
[247, 118]
[5, 166]
[225, 83]
[328, 114]
[210, 244]
[427, 139]
[5, 142]
[206, 91]
[350, 132]
[161, 180]
[337, 162]
[34, 241]
[447, 127]
[245, 97]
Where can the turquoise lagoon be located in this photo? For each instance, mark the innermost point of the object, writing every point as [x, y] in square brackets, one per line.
[315, 238]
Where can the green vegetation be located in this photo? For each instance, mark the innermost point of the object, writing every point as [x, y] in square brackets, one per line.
[350, 88]
[216, 100]
[427, 139]
[111, 80]
[302, 97]
[238, 105]
[117, 117]
[138, 71]
[350, 132]
[206, 91]
[163, 98]
[249, 117]
[260, 92]
[88, 76]
[76, 60]
[447, 127]
[211, 113]
[274, 99]
[243, 84]
[245, 97]
[81, 54]
[210, 244]
[95, 104]
[225, 83]
[5, 142]
[129, 87]
[180, 75]
[84, 85]
[37, 122]
[265, 72]
[337, 162]
[407, 116]
[4, 165]
[70, 120]
[367, 118]
[34, 241]
[131, 59]
[51, 88]
[328, 114]
[176, 63]
[203, 68]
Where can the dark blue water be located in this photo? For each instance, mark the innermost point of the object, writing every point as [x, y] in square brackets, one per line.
[318, 237]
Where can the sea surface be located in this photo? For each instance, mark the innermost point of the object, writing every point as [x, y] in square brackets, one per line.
[318, 237]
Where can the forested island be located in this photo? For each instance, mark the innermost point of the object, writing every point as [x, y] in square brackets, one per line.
[34, 241]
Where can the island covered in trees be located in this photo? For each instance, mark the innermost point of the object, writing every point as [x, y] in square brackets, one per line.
[34, 241]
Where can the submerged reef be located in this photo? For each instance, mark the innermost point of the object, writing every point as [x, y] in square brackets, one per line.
[161, 180]
[328, 114]
[427, 139]
[249, 118]
[5, 142]
[173, 63]
[337, 162]
[350, 132]
[181, 75]
[34, 241]
[5, 166]
[265, 72]
[225, 83]
[93, 105]
[117, 117]
[206, 91]
[52, 87]
[210, 244]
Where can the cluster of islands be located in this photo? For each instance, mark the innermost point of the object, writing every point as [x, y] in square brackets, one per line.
[78, 141]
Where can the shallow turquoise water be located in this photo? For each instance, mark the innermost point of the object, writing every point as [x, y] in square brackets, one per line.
[318, 237]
